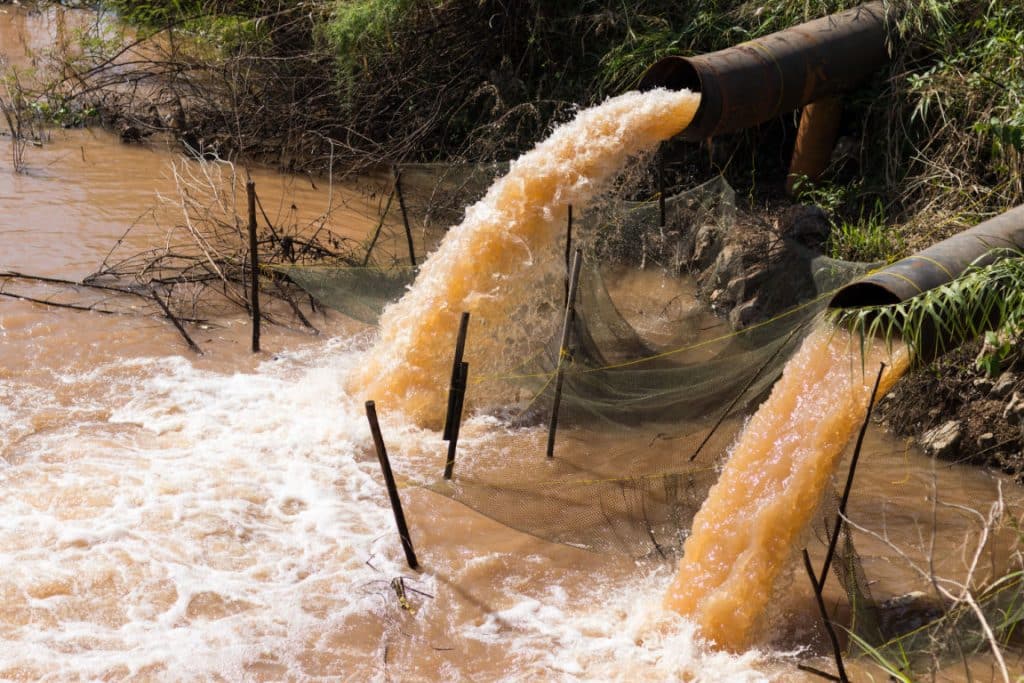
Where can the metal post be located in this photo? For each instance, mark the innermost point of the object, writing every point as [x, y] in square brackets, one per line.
[815, 139]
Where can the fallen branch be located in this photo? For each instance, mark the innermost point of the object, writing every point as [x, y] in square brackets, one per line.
[191, 344]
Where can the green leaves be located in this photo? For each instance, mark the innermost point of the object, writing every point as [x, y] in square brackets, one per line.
[983, 299]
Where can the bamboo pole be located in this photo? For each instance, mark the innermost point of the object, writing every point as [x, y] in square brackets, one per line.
[254, 262]
[389, 482]
[563, 350]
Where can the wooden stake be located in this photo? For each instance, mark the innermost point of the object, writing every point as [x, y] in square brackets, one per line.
[841, 513]
[460, 347]
[563, 350]
[460, 399]
[405, 216]
[836, 650]
[389, 482]
[254, 263]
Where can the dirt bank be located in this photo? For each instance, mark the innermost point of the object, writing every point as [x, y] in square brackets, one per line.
[958, 413]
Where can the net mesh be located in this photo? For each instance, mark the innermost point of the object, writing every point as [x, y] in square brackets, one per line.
[652, 399]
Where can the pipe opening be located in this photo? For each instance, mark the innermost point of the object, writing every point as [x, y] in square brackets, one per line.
[861, 294]
[674, 73]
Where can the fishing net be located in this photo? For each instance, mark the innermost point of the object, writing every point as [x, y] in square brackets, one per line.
[652, 399]
[661, 407]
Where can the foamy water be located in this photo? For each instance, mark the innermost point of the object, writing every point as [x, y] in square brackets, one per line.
[503, 264]
[187, 524]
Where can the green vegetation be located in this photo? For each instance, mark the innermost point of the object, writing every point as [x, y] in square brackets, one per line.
[985, 298]
[869, 238]
[931, 144]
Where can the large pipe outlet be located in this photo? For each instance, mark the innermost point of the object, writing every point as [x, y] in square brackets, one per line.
[756, 81]
[938, 264]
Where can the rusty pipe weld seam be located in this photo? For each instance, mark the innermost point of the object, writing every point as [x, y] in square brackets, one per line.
[938, 264]
[754, 82]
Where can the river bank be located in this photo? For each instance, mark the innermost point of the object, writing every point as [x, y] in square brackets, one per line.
[364, 98]
[221, 515]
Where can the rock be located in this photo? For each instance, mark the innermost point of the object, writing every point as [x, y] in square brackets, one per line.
[705, 246]
[904, 613]
[807, 225]
[736, 289]
[1014, 410]
[943, 440]
[1003, 386]
[983, 384]
[130, 133]
[986, 440]
[744, 315]
[728, 266]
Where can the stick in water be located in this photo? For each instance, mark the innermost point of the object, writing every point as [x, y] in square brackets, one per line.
[389, 482]
[568, 252]
[836, 650]
[563, 349]
[841, 514]
[460, 399]
[460, 347]
[661, 187]
[191, 344]
[405, 216]
[254, 262]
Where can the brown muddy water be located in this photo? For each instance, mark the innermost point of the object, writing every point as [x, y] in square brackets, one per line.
[171, 517]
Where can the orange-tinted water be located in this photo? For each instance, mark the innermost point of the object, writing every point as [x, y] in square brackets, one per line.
[170, 517]
[502, 263]
[746, 531]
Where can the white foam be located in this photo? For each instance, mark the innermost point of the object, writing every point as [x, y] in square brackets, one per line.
[241, 486]
[622, 635]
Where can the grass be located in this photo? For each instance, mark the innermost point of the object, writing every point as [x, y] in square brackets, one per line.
[869, 239]
[984, 298]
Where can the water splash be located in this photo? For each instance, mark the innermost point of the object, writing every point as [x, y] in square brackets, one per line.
[502, 263]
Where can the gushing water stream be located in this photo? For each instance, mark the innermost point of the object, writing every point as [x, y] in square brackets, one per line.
[745, 532]
[494, 262]
[165, 517]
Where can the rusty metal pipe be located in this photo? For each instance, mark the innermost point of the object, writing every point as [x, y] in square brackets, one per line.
[815, 140]
[756, 81]
[936, 265]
